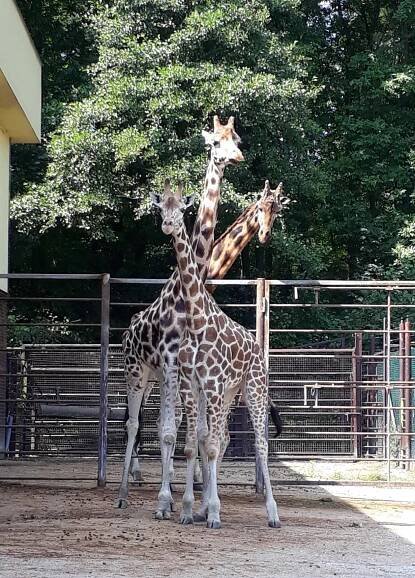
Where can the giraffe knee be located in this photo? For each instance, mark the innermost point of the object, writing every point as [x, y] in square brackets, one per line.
[212, 450]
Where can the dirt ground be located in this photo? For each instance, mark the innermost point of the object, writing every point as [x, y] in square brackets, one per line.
[54, 528]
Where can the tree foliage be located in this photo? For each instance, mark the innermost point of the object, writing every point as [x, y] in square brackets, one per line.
[323, 93]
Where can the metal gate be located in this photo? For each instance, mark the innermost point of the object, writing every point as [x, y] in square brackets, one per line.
[339, 361]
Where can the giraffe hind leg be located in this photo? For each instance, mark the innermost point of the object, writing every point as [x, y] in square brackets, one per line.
[135, 469]
[135, 393]
[257, 403]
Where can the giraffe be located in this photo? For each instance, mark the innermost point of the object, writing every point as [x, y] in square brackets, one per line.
[259, 218]
[151, 343]
[218, 358]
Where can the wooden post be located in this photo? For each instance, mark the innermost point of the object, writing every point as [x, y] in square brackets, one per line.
[103, 398]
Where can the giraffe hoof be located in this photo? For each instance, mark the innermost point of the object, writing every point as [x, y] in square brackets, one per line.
[186, 519]
[200, 517]
[162, 515]
[121, 503]
[213, 524]
[274, 523]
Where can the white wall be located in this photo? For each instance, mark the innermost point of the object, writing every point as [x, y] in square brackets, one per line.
[4, 206]
[20, 66]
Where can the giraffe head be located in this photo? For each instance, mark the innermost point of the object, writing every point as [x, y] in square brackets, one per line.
[270, 205]
[172, 206]
[223, 143]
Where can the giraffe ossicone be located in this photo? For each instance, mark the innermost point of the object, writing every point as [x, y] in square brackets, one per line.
[218, 358]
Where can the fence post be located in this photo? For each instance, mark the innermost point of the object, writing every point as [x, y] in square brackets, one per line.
[103, 392]
[261, 308]
[407, 402]
[356, 393]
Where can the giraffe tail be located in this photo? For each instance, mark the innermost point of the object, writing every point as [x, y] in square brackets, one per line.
[275, 416]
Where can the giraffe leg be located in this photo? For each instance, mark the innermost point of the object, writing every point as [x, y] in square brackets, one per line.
[135, 470]
[213, 444]
[135, 396]
[202, 435]
[257, 402]
[178, 416]
[190, 449]
[167, 434]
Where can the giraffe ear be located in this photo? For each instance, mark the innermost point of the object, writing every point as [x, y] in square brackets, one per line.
[266, 191]
[216, 123]
[209, 139]
[155, 199]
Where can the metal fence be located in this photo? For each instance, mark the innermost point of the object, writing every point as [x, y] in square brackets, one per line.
[339, 358]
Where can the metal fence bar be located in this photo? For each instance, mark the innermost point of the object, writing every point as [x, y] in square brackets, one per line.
[103, 405]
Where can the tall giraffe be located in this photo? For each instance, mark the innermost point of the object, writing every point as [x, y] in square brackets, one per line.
[259, 218]
[151, 342]
[218, 358]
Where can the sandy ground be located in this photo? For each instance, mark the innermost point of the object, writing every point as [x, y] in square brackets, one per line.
[55, 528]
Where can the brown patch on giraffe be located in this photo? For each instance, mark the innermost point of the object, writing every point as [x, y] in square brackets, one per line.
[187, 279]
[201, 370]
[200, 249]
[198, 323]
[211, 334]
[193, 290]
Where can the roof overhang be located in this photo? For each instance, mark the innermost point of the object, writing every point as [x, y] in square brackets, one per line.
[20, 78]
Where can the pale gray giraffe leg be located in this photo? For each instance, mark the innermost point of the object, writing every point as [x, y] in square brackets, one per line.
[202, 436]
[178, 416]
[135, 396]
[135, 469]
[257, 403]
[167, 434]
[190, 404]
[217, 423]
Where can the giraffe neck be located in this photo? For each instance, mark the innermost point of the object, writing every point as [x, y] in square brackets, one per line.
[193, 291]
[204, 228]
[232, 242]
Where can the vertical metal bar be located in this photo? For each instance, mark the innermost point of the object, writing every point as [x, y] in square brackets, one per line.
[357, 376]
[402, 379]
[406, 417]
[103, 399]
[260, 313]
[388, 382]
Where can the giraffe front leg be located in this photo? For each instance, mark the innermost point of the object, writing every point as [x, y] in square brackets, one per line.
[202, 435]
[135, 395]
[257, 402]
[213, 444]
[167, 434]
[190, 449]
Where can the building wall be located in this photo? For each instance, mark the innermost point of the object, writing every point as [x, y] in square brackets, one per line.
[4, 206]
[20, 77]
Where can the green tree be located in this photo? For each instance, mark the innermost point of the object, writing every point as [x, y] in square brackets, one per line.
[164, 68]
